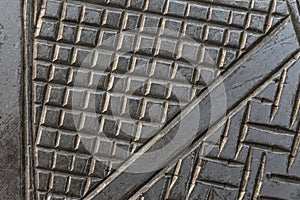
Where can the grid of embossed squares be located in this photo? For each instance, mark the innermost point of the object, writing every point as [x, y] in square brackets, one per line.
[60, 95]
[157, 89]
[64, 54]
[57, 93]
[213, 31]
[90, 91]
[68, 120]
[73, 156]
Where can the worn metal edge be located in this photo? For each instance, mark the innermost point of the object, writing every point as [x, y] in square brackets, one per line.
[27, 156]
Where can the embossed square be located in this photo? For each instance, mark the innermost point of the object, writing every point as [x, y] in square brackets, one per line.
[257, 22]
[82, 57]
[105, 147]
[216, 35]
[128, 42]
[185, 73]
[49, 30]
[93, 16]
[59, 183]
[48, 137]
[81, 77]
[110, 129]
[151, 23]
[43, 182]
[172, 27]
[61, 74]
[63, 54]
[82, 164]
[73, 12]
[190, 52]
[76, 98]
[133, 107]
[198, 11]
[100, 80]
[132, 22]
[181, 93]
[137, 4]
[63, 162]
[154, 110]
[156, 6]
[119, 83]
[146, 44]
[71, 120]
[91, 124]
[120, 3]
[235, 38]
[168, 48]
[77, 186]
[112, 19]
[53, 9]
[68, 33]
[127, 130]
[45, 159]
[44, 51]
[115, 104]
[238, 18]
[109, 39]
[57, 95]
[176, 8]
[86, 144]
[123, 64]
[67, 140]
[96, 101]
[158, 90]
[52, 117]
[137, 86]
[104, 61]
[220, 15]
[122, 150]
[163, 69]
[42, 71]
[40, 89]
[88, 36]
[194, 31]
[141, 65]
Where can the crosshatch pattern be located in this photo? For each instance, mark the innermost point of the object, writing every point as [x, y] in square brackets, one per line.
[92, 109]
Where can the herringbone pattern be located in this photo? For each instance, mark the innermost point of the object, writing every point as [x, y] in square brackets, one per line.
[253, 155]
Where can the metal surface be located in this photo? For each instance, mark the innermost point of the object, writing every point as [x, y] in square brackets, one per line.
[11, 184]
[150, 99]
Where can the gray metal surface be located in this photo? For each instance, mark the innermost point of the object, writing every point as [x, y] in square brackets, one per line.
[11, 184]
[150, 99]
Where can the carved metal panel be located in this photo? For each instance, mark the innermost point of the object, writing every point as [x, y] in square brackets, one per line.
[161, 99]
